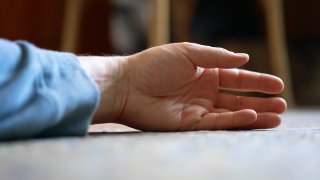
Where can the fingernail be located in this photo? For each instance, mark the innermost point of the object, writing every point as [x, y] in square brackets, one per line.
[242, 54]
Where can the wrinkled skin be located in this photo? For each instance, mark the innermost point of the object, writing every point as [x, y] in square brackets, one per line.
[176, 87]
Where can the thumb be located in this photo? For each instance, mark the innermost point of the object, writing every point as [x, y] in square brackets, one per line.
[211, 57]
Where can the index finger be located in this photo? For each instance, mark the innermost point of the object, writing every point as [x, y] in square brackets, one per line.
[248, 81]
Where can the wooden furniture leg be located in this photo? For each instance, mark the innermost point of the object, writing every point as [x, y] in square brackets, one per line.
[181, 15]
[159, 30]
[71, 25]
[277, 45]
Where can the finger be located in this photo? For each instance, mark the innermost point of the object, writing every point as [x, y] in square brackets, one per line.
[265, 121]
[242, 80]
[227, 120]
[211, 57]
[219, 110]
[235, 103]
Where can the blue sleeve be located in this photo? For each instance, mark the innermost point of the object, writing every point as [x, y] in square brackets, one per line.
[43, 93]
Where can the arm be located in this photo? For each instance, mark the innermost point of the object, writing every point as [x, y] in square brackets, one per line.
[173, 87]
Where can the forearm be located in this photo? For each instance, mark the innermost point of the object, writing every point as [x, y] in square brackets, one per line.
[108, 73]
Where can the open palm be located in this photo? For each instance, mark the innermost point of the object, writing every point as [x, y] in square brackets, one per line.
[176, 87]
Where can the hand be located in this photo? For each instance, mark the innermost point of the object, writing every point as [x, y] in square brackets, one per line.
[175, 87]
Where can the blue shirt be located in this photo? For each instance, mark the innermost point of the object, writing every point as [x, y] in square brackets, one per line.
[43, 93]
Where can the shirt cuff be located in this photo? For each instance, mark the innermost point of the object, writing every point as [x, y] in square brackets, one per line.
[45, 93]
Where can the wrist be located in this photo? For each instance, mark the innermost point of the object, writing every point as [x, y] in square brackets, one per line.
[109, 75]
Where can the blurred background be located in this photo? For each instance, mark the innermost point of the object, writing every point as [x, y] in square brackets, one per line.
[281, 36]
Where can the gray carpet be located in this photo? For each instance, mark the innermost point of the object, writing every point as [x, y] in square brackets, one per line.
[291, 151]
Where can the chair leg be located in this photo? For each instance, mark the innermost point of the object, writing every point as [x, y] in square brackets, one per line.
[159, 30]
[71, 25]
[277, 46]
